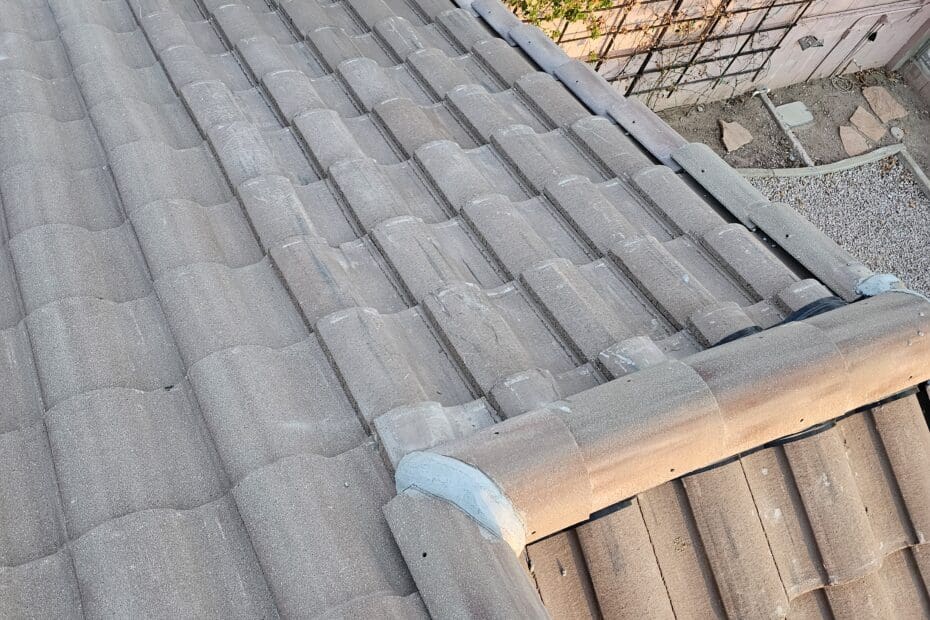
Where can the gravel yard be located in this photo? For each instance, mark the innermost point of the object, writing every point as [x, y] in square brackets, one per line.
[876, 211]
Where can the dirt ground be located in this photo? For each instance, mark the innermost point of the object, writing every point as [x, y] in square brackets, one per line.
[831, 101]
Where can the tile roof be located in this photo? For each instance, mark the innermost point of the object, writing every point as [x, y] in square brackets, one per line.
[246, 244]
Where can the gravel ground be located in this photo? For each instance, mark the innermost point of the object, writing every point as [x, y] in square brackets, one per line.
[877, 212]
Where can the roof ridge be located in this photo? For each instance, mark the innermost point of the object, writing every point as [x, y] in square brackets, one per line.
[705, 408]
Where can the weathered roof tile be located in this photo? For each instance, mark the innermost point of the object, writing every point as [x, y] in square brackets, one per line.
[240, 240]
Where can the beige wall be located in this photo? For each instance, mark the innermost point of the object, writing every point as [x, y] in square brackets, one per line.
[842, 25]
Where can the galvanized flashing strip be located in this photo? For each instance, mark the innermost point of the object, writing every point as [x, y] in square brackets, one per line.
[465, 486]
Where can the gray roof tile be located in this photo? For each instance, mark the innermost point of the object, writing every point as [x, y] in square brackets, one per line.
[44, 58]
[211, 307]
[10, 310]
[20, 383]
[100, 81]
[403, 38]
[442, 73]
[428, 256]
[31, 524]
[540, 158]
[263, 404]
[428, 424]
[308, 16]
[387, 361]
[495, 333]
[550, 99]
[29, 138]
[53, 98]
[83, 344]
[388, 606]
[175, 233]
[669, 285]
[486, 113]
[43, 588]
[92, 43]
[462, 175]
[120, 121]
[591, 321]
[411, 126]
[466, 241]
[678, 204]
[590, 209]
[297, 510]
[370, 83]
[334, 45]
[35, 194]
[188, 63]
[149, 171]
[521, 234]
[119, 451]
[324, 279]
[172, 562]
[33, 20]
[376, 193]
[57, 261]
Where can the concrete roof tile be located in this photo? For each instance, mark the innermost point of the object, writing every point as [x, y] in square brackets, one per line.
[20, 392]
[119, 451]
[82, 344]
[53, 98]
[29, 138]
[44, 58]
[36, 194]
[30, 512]
[391, 360]
[324, 279]
[467, 243]
[296, 512]
[58, 261]
[622, 564]
[34, 20]
[176, 233]
[429, 256]
[231, 307]
[308, 16]
[403, 38]
[45, 587]
[168, 562]
[263, 404]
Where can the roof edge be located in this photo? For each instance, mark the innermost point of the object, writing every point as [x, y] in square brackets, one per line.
[811, 247]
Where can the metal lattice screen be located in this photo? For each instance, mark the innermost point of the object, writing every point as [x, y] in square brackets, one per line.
[658, 48]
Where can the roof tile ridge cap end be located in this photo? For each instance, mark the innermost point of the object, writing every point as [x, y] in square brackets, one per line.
[879, 283]
[466, 487]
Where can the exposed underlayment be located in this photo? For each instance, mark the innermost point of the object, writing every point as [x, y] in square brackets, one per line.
[255, 253]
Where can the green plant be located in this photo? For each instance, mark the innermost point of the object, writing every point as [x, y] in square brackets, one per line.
[549, 12]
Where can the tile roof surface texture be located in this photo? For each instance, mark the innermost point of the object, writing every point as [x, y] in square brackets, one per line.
[241, 238]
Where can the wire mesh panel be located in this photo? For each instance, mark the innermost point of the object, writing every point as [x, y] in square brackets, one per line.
[660, 48]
